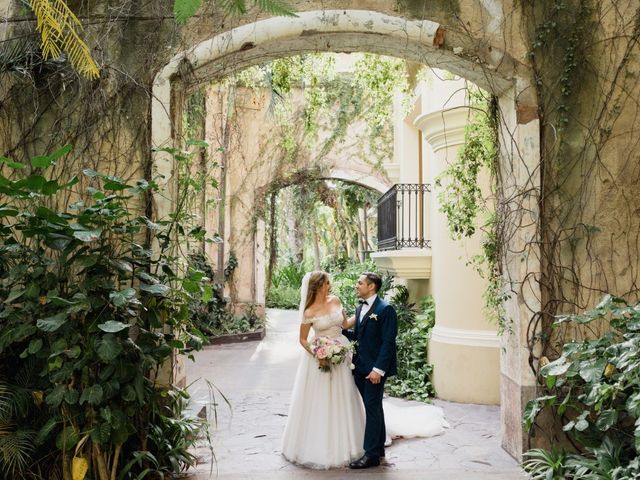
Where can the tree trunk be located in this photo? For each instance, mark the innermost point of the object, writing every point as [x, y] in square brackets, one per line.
[273, 237]
[367, 247]
[316, 245]
[224, 158]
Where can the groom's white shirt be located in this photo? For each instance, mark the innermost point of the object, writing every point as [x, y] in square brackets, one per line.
[363, 311]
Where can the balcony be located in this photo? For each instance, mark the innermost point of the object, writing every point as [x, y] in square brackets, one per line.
[403, 247]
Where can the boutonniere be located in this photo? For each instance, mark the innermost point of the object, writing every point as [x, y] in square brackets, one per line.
[373, 316]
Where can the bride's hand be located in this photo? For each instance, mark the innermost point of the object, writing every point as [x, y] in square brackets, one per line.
[348, 323]
[323, 362]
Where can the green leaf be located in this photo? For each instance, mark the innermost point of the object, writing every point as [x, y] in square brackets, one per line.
[90, 172]
[185, 9]
[87, 260]
[93, 395]
[121, 265]
[633, 405]
[44, 161]
[109, 347]
[198, 143]
[555, 368]
[114, 184]
[591, 370]
[581, 422]
[51, 324]
[71, 397]
[8, 212]
[67, 439]
[10, 163]
[50, 187]
[128, 393]
[158, 289]
[87, 235]
[55, 397]
[35, 345]
[32, 182]
[63, 301]
[190, 286]
[112, 326]
[123, 297]
[73, 352]
[207, 293]
[606, 419]
[14, 294]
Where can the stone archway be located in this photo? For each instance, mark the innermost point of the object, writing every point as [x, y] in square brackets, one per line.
[421, 41]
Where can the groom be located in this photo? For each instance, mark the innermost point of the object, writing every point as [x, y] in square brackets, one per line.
[375, 332]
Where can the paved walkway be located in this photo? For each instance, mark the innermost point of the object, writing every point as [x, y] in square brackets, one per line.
[256, 378]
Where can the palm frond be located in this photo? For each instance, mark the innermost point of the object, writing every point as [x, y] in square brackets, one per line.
[234, 7]
[275, 7]
[58, 27]
[15, 450]
[17, 55]
[185, 9]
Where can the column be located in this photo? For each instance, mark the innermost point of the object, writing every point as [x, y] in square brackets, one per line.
[464, 347]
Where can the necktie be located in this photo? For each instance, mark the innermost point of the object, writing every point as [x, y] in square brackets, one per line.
[363, 302]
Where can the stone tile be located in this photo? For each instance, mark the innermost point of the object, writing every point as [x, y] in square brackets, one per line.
[256, 378]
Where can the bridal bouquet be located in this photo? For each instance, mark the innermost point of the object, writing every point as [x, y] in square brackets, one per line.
[330, 351]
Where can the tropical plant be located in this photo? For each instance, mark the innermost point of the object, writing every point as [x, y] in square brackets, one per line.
[593, 388]
[185, 9]
[543, 464]
[60, 30]
[413, 380]
[345, 274]
[90, 322]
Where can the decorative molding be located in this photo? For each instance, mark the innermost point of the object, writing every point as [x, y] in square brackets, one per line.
[470, 338]
[408, 264]
[444, 128]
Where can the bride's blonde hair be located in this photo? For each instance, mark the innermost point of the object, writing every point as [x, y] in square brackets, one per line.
[316, 280]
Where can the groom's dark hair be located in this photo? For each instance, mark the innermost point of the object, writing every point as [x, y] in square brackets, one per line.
[373, 278]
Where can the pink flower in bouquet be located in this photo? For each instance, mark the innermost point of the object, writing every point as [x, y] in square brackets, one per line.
[321, 353]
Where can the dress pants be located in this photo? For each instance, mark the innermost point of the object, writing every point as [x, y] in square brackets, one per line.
[374, 430]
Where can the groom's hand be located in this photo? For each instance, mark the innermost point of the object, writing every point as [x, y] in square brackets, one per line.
[374, 377]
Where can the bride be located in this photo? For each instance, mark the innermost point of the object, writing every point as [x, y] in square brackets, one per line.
[325, 426]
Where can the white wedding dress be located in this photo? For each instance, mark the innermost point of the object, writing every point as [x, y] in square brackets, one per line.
[325, 426]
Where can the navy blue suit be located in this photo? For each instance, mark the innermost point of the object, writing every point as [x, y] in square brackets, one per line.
[375, 347]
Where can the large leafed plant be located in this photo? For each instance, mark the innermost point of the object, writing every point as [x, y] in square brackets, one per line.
[593, 389]
[90, 318]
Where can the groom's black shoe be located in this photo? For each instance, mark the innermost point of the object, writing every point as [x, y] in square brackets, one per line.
[365, 462]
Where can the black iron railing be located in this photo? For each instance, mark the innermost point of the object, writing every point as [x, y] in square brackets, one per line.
[402, 217]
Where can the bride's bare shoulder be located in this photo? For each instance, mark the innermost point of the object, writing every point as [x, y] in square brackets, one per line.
[335, 299]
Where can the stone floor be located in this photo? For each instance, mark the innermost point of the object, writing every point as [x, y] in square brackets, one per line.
[246, 387]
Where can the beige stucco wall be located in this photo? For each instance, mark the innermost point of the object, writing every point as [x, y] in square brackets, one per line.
[256, 162]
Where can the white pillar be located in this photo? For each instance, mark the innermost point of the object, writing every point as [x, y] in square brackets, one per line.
[464, 346]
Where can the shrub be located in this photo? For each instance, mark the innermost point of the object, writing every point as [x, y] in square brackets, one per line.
[593, 389]
[91, 318]
[413, 380]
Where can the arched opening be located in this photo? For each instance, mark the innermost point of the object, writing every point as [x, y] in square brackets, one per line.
[418, 41]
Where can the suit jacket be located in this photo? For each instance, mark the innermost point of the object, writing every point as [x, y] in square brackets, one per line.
[376, 339]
